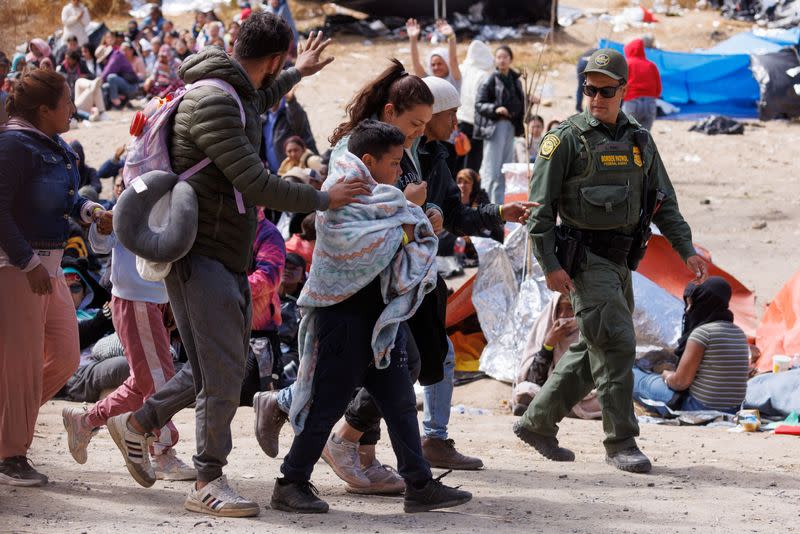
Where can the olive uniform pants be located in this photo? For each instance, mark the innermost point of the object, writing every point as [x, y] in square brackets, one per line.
[603, 357]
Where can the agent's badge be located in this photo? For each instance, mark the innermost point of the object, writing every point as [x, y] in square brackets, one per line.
[637, 156]
[548, 146]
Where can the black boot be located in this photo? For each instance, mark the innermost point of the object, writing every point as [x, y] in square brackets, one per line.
[631, 460]
[434, 496]
[547, 446]
[298, 497]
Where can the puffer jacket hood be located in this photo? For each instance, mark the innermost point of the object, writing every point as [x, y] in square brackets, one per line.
[635, 49]
[213, 62]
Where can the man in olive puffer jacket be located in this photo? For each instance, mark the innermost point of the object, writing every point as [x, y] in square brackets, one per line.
[208, 288]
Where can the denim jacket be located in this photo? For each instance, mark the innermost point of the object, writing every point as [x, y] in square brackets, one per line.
[38, 193]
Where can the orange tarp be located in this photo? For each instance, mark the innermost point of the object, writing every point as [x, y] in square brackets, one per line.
[779, 331]
[663, 266]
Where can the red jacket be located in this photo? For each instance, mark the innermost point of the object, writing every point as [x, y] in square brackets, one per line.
[643, 77]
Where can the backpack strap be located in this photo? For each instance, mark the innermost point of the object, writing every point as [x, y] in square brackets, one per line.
[202, 164]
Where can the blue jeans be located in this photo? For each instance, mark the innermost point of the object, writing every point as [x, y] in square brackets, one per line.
[652, 386]
[642, 109]
[116, 84]
[497, 149]
[437, 398]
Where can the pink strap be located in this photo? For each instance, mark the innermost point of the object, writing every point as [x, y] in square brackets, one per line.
[202, 164]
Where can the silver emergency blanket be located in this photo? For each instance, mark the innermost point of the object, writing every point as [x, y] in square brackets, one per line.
[507, 305]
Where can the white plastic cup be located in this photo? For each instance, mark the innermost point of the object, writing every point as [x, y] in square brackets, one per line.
[781, 363]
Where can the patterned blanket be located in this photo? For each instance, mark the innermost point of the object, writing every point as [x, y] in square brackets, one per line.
[355, 244]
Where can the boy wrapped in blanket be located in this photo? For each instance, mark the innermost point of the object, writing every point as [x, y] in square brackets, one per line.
[373, 263]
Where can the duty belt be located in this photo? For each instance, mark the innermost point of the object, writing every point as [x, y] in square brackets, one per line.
[607, 244]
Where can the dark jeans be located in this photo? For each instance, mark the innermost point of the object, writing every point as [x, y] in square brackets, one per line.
[345, 361]
[110, 168]
[474, 157]
[363, 413]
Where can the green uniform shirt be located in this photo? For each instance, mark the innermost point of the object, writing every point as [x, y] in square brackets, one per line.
[563, 159]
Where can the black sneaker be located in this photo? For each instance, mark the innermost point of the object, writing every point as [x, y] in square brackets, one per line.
[631, 460]
[434, 496]
[547, 446]
[18, 471]
[298, 497]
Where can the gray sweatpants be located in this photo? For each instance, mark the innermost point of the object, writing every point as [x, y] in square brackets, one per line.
[211, 306]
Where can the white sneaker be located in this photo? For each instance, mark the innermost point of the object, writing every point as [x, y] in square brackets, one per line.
[169, 467]
[218, 498]
[345, 462]
[79, 434]
[134, 448]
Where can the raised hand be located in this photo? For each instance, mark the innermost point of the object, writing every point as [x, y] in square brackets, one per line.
[413, 29]
[444, 28]
[309, 61]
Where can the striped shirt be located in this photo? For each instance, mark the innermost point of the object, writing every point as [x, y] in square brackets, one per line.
[721, 380]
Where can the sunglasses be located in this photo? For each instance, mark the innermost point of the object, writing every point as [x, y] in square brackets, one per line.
[606, 92]
[75, 288]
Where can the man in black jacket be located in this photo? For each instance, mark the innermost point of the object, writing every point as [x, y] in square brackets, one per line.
[444, 195]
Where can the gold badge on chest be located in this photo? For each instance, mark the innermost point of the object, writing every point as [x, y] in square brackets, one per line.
[637, 156]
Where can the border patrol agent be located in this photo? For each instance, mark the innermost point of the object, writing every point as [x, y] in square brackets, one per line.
[601, 173]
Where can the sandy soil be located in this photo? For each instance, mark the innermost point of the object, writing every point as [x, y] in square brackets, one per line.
[705, 480]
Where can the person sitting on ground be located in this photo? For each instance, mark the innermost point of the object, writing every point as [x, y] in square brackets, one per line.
[552, 334]
[165, 78]
[302, 243]
[294, 275]
[358, 306]
[88, 174]
[297, 154]
[70, 45]
[87, 91]
[111, 167]
[136, 61]
[644, 85]
[231, 36]
[182, 50]
[87, 55]
[552, 124]
[441, 63]
[120, 82]
[38, 50]
[713, 357]
[134, 33]
[286, 119]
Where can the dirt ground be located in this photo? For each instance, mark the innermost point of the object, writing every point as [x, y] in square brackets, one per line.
[704, 480]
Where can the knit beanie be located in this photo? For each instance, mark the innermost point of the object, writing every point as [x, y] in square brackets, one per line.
[445, 96]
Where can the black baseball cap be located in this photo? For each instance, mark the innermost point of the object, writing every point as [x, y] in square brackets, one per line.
[609, 62]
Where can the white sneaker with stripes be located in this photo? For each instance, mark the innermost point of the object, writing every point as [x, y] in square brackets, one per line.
[219, 499]
[135, 449]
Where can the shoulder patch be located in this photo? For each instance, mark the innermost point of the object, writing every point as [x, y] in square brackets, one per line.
[548, 146]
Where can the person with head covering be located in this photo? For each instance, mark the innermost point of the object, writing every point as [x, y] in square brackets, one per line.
[478, 65]
[644, 85]
[442, 63]
[713, 357]
[552, 334]
[38, 49]
[88, 175]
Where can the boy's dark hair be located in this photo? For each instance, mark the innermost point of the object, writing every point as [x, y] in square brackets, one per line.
[74, 55]
[374, 138]
[262, 34]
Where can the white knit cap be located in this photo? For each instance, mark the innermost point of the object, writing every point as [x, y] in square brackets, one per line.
[445, 96]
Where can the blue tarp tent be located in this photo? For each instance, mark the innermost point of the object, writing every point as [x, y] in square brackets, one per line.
[704, 84]
[758, 42]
